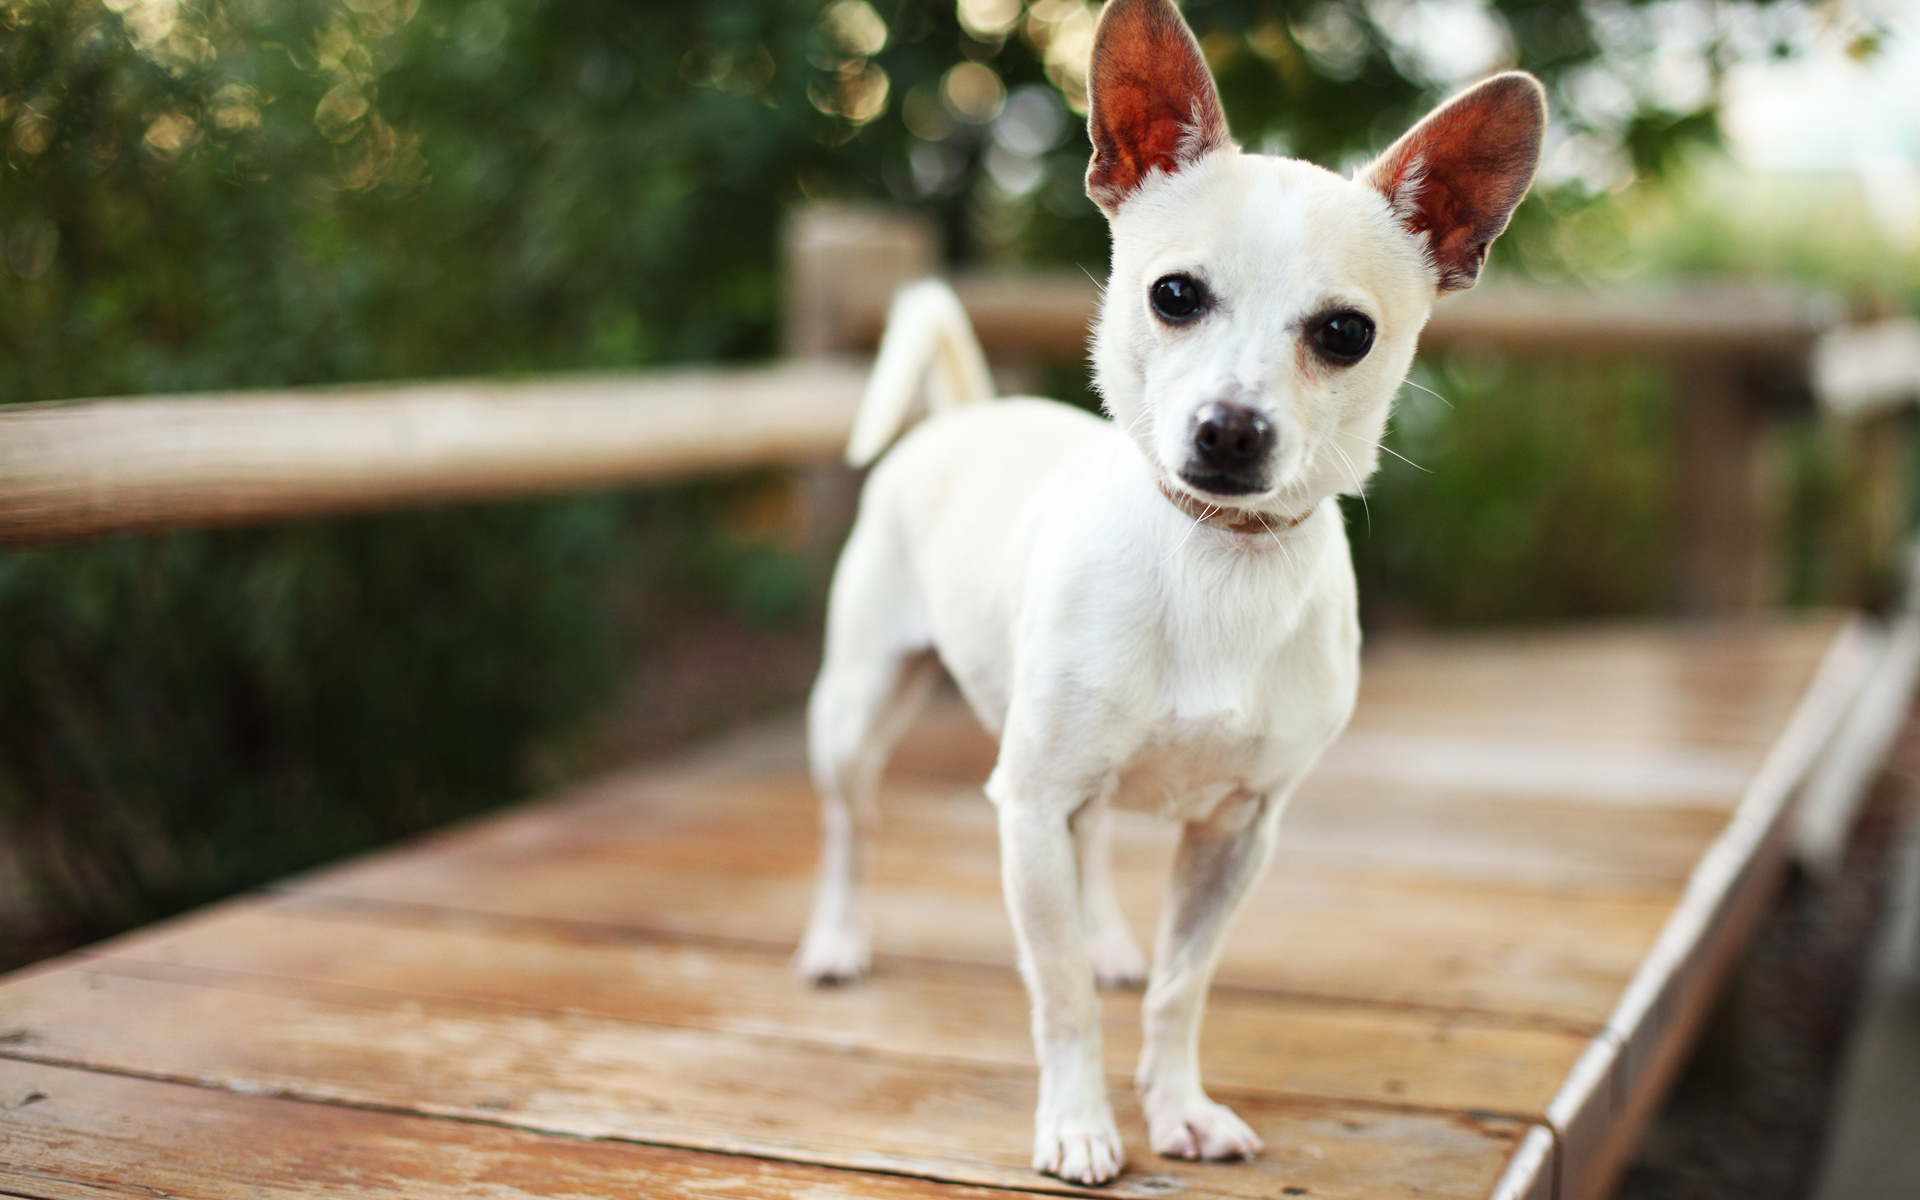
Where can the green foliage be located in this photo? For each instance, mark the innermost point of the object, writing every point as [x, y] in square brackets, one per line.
[195, 713]
[294, 192]
[1521, 491]
[1815, 229]
[231, 193]
[1327, 80]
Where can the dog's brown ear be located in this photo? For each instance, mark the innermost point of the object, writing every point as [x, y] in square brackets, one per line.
[1457, 175]
[1151, 102]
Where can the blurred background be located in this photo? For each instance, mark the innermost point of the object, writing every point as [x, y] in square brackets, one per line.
[202, 194]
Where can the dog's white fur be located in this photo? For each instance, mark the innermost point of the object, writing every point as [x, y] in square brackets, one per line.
[1125, 654]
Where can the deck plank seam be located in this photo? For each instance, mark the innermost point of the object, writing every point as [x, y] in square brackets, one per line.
[327, 992]
[633, 934]
[1041, 1186]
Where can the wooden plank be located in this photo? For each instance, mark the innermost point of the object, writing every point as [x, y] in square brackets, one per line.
[1368, 931]
[1629, 687]
[81, 1135]
[86, 468]
[1769, 322]
[1282, 1045]
[596, 1078]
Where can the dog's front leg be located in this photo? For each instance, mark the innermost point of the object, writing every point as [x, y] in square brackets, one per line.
[1218, 861]
[1074, 1133]
[1116, 957]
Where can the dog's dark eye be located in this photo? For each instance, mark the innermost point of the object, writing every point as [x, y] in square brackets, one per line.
[1342, 337]
[1177, 298]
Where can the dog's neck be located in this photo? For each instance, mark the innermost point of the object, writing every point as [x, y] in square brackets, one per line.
[1228, 520]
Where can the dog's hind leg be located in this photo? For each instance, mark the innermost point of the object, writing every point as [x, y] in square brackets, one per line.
[878, 670]
[859, 712]
[1115, 956]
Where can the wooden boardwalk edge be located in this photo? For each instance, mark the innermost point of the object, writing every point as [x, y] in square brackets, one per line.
[1598, 1116]
[1530, 1172]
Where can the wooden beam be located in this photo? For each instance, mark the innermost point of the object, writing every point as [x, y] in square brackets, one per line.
[90, 468]
[1750, 321]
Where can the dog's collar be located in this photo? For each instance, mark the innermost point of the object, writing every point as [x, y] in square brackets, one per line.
[1216, 517]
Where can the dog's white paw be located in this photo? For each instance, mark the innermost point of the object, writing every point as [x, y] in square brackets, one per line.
[1196, 1127]
[1081, 1149]
[1116, 959]
[833, 955]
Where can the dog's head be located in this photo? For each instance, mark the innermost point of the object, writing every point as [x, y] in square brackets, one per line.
[1262, 311]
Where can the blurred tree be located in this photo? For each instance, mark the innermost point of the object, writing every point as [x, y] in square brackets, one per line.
[210, 193]
[223, 193]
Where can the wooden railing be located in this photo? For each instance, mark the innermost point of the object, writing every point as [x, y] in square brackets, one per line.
[88, 468]
[1741, 357]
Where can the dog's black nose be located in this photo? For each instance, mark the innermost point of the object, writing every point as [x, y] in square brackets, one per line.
[1230, 447]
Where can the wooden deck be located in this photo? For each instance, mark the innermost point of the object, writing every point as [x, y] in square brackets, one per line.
[1497, 916]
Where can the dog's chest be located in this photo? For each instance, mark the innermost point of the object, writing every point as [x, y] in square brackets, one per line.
[1216, 731]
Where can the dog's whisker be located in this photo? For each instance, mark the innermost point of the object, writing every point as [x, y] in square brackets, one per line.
[1181, 544]
[1345, 458]
[1362, 493]
[1429, 391]
[1389, 449]
[1276, 541]
[1403, 458]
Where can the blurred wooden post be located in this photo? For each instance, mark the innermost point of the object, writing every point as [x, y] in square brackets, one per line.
[1726, 553]
[840, 260]
[1867, 378]
[845, 261]
[1878, 450]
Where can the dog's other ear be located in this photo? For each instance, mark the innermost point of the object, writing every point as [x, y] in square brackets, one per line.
[1151, 102]
[1457, 175]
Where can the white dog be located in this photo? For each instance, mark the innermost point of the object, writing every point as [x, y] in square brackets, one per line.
[1155, 612]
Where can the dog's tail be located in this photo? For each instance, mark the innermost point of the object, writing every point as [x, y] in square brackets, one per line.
[928, 338]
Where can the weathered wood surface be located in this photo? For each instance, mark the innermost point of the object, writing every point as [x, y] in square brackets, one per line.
[86, 468]
[1497, 913]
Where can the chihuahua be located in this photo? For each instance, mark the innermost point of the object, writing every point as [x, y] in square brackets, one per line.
[1154, 612]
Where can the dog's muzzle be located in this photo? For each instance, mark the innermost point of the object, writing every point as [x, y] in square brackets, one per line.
[1229, 452]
